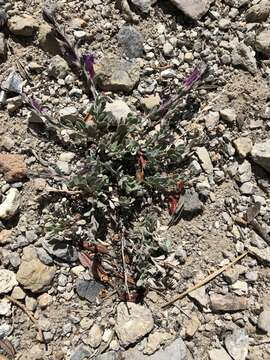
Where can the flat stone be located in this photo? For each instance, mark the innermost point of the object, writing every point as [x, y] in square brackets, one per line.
[237, 344]
[61, 249]
[33, 274]
[150, 102]
[131, 41]
[112, 355]
[244, 57]
[5, 307]
[23, 25]
[155, 340]
[260, 154]
[244, 172]
[192, 203]
[243, 146]
[175, 351]
[258, 12]
[227, 303]
[13, 167]
[119, 109]
[81, 352]
[262, 43]
[144, 5]
[88, 290]
[219, 354]
[264, 321]
[247, 188]
[45, 300]
[200, 296]
[263, 255]
[10, 206]
[195, 9]
[18, 293]
[7, 281]
[114, 74]
[205, 160]
[192, 325]
[133, 323]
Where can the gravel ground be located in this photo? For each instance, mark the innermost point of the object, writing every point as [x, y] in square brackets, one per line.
[143, 52]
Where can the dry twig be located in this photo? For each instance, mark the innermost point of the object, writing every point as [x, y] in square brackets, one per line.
[29, 314]
[205, 281]
[124, 265]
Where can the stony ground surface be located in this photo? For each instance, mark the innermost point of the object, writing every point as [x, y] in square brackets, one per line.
[227, 318]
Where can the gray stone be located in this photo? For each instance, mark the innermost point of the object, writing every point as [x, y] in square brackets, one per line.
[114, 74]
[200, 296]
[260, 154]
[219, 354]
[63, 250]
[175, 351]
[247, 188]
[228, 115]
[264, 321]
[251, 276]
[205, 160]
[81, 352]
[144, 5]
[192, 203]
[7, 281]
[194, 9]
[69, 114]
[58, 68]
[244, 57]
[119, 109]
[131, 40]
[3, 47]
[227, 303]
[112, 355]
[168, 49]
[244, 172]
[44, 256]
[243, 146]
[88, 290]
[262, 42]
[23, 25]
[133, 323]
[258, 12]
[47, 40]
[5, 330]
[263, 255]
[237, 344]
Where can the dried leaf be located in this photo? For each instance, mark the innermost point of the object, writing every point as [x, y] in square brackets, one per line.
[98, 271]
[95, 248]
[252, 212]
[7, 347]
[85, 260]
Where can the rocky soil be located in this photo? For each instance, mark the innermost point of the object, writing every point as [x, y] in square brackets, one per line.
[143, 50]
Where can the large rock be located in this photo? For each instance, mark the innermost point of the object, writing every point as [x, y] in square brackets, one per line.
[237, 344]
[260, 154]
[262, 43]
[258, 12]
[7, 281]
[33, 274]
[131, 41]
[114, 74]
[13, 167]
[194, 9]
[264, 321]
[244, 57]
[133, 323]
[10, 206]
[47, 40]
[219, 354]
[23, 25]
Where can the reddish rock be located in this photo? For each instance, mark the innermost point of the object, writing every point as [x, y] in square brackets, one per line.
[228, 303]
[13, 167]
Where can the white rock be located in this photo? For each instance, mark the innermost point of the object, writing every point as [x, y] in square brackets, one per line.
[7, 281]
[237, 344]
[219, 354]
[11, 204]
[133, 323]
[5, 307]
[260, 154]
[95, 336]
[204, 157]
[195, 9]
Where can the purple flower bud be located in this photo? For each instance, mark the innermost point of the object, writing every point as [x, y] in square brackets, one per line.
[35, 104]
[89, 65]
[194, 76]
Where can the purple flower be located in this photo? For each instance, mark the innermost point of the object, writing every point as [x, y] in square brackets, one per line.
[194, 76]
[36, 105]
[89, 65]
